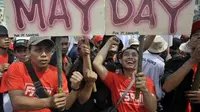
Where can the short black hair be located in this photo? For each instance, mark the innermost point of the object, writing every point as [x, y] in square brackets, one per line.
[54, 38]
[122, 52]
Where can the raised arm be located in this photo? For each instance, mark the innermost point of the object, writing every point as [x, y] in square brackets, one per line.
[99, 59]
[148, 41]
[89, 76]
[173, 80]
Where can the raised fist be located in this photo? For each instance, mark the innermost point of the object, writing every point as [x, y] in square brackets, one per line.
[76, 80]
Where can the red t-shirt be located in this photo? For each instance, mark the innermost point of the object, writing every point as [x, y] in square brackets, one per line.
[3, 59]
[118, 85]
[3, 87]
[19, 79]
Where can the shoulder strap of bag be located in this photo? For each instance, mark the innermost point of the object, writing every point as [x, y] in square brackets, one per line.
[10, 56]
[124, 94]
[40, 91]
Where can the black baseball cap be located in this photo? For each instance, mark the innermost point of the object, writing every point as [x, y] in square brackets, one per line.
[20, 43]
[3, 31]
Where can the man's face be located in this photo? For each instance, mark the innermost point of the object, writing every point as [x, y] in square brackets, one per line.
[41, 54]
[65, 45]
[21, 53]
[5, 42]
[129, 59]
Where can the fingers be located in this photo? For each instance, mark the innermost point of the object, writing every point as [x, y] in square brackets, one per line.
[4, 67]
[194, 100]
[140, 81]
[192, 92]
[116, 40]
[76, 79]
[60, 105]
[59, 95]
[193, 96]
[1, 68]
[90, 76]
[77, 76]
[140, 77]
[59, 100]
[85, 47]
[77, 73]
[94, 74]
[141, 74]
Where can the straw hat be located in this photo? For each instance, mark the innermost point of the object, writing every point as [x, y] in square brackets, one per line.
[133, 41]
[159, 45]
[184, 46]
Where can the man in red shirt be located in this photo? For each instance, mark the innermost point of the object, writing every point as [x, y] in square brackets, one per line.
[21, 88]
[21, 50]
[5, 52]
[178, 76]
[6, 56]
[118, 83]
[21, 54]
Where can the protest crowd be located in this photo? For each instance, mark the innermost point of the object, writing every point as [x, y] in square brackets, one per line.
[100, 73]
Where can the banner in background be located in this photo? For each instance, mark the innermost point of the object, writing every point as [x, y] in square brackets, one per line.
[54, 17]
[93, 17]
[161, 17]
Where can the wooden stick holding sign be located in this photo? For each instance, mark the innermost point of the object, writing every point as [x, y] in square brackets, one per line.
[196, 82]
[88, 61]
[140, 58]
[59, 63]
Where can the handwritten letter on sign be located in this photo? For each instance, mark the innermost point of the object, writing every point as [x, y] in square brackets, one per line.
[149, 16]
[91, 17]
[54, 17]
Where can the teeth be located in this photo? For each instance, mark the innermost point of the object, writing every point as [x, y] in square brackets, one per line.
[130, 62]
